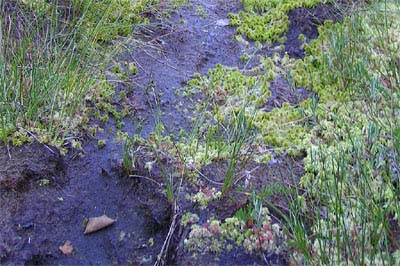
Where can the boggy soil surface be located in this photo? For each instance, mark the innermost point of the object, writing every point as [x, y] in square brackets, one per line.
[46, 197]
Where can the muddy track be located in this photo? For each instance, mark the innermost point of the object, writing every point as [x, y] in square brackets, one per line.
[37, 218]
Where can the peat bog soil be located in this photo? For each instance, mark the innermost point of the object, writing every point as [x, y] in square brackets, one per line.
[36, 218]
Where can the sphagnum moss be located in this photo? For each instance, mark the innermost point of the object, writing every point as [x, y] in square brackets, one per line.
[349, 165]
[267, 20]
[285, 128]
[350, 156]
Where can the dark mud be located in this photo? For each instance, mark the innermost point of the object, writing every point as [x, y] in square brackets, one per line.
[303, 21]
[36, 222]
[173, 51]
[22, 166]
[306, 21]
[45, 198]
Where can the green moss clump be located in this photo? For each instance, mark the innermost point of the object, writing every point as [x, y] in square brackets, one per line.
[264, 28]
[350, 163]
[284, 128]
[262, 6]
[216, 236]
[267, 20]
[109, 18]
[115, 17]
[101, 143]
[230, 87]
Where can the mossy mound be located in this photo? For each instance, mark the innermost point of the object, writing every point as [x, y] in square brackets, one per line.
[267, 20]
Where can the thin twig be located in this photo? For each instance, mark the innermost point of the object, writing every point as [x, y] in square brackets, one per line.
[161, 260]
[265, 259]
[73, 137]
[206, 178]
[8, 150]
[33, 136]
[247, 173]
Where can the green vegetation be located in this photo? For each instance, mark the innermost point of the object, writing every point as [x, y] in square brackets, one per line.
[262, 235]
[217, 236]
[267, 20]
[346, 208]
[229, 90]
[44, 76]
[51, 65]
[353, 163]
[101, 143]
[263, 6]
[118, 17]
[201, 12]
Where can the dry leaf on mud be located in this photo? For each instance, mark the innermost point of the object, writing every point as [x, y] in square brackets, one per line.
[96, 223]
[67, 248]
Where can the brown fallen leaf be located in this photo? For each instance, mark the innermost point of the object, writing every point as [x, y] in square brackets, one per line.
[67, 248]
[96, 223]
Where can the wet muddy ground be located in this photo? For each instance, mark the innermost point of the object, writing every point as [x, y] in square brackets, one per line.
[46, 197]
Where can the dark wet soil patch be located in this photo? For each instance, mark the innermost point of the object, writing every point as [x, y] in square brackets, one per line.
[21, 166]
[270, 180]
[235, 257]
[170, 55]
[36, 222]
[281, 92]
[306, 21]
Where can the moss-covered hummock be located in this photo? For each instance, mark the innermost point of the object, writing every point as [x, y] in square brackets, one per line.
[267, 20]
